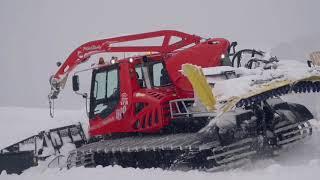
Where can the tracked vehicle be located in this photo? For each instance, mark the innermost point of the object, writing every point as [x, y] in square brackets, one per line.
[186, 103]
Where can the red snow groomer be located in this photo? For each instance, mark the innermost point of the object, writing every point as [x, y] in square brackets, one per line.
[159, 110]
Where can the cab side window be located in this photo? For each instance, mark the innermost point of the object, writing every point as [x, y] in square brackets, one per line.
[156, 72]
[160, 75]
[112, 83]
[140, 77]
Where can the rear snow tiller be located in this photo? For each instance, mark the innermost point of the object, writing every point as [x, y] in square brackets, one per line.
[26, 153]
[187, 102]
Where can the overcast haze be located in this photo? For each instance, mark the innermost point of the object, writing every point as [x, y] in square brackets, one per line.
[34, 34]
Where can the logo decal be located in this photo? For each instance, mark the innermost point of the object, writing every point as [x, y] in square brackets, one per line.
[123, 106]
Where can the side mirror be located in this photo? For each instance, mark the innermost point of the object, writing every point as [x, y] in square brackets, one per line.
[75, 83]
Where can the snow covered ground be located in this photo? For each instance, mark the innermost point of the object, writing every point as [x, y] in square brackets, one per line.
[302, 161]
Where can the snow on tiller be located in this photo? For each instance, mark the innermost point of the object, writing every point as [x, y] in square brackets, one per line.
[26, 153]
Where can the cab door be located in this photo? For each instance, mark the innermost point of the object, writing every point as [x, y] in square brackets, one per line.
[105, 91]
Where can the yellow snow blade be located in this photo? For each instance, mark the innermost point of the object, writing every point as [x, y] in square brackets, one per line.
[200, 85]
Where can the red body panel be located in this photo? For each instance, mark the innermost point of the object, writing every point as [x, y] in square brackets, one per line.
[153, 117]
[206, 54]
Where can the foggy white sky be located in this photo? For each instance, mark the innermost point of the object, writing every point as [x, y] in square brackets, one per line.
[34, 34]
